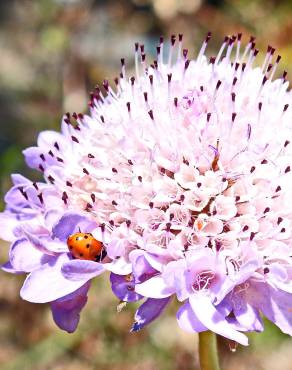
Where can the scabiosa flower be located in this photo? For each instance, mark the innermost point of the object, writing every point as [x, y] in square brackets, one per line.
[183, 174]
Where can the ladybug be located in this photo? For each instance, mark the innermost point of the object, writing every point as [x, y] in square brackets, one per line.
[85, 247]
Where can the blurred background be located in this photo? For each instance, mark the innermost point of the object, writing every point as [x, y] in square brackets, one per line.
[52, 53]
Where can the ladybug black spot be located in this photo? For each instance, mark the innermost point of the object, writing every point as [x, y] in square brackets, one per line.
[70, 247]
[81, 254]
[87, 245]
[85, 236]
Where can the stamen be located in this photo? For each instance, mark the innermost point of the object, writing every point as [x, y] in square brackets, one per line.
[204, 46]
[226, 39]
[180, 37]
[172, 43]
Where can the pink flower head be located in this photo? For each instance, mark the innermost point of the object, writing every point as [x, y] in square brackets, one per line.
[183, 173]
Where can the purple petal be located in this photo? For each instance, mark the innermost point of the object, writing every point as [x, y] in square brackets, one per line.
[142, 270]
[240, 277]
[157, 257]
[154, 288]
[45, 245]
[149, 311]
[24, 257]
[19, 179]
[14, 198]
[81, 270]
[70, 223]
[213, 320]
[275, 304]
[32, 156]
[48, 283]
[7, 267]
[248, 317]
[66, 310]
[278, 277]
[188, 321]
[123, 287]
[8, 222]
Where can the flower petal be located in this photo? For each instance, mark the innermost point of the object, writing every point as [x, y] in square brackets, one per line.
[142, 270]
[47, 283]
[69, 223]
[24, 257]
[119, 266]
[66, 310]
[154, 288]
[213, 320]
[7, 267]
[239, 277]
[32, 156]
[149, 311]
[248, 317]
[7, 223]
[275, 304]
[45, 245]
[188, 321]
[81, 270]
[124, 288]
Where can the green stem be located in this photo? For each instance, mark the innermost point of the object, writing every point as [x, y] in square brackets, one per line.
[208, 351]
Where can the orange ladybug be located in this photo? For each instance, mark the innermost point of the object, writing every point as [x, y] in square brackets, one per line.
[83, 246]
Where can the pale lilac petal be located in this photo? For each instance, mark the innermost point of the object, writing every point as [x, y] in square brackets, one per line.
[48, 283]
[188, 321]
[66, 310]
[239, 277]
[102, 235]
[70, 223]
[18, 179]
[148, 312]
[123, 287]
[157, 257]
[175, 275]
[278, 272]
[275, 304]
[14, 198]
[45, 244]
[116, 247]
[32, 156]
[142, 270]
[24, 257]
[81, 270]
[248, 317]
[154, 288]
[8, 222]
[119, 266]
[278, 277]
[213, 320]
[7, 267]
[47, 138]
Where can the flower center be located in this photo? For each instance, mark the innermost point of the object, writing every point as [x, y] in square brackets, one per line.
[203, 280]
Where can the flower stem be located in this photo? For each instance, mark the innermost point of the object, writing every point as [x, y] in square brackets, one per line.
[208, 351]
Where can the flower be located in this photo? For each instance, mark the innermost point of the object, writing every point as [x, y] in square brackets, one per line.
[183, 173]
